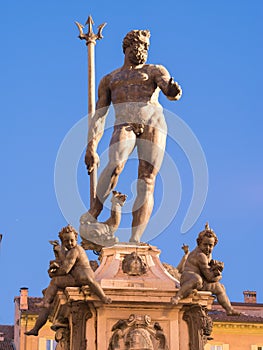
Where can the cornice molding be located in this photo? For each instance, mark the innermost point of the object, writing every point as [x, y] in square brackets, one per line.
[235, 327]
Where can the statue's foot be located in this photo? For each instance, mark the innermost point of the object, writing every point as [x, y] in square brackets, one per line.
[32, 332]
[58, 325]
[175, 300]
[107, 300]
[195, 292]
[233, 312]
[134, 239]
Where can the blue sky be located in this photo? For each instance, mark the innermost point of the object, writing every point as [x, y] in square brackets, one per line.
[213, 49]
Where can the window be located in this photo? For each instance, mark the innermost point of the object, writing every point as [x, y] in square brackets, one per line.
[50, 344]
[46, 344]
[218, 347]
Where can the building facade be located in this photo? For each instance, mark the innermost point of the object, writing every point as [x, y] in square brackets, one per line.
[244, 332]
[26, 314]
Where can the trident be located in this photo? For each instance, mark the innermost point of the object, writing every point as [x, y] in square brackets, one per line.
[91, 38]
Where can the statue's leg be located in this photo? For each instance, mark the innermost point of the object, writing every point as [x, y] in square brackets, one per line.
[49, 296]
[122, 144]
[223, 300]
[151, 147]
[56, 283]
[189, 282]
[41, 320]
[95, 286]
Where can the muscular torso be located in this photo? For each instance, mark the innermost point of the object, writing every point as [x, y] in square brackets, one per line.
[134, 94]
[134, 85]
[75, 260]
[196, 262]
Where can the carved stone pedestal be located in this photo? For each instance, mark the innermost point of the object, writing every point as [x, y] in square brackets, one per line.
[140, 317]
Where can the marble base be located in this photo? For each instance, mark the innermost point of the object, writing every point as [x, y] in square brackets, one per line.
[141, 289]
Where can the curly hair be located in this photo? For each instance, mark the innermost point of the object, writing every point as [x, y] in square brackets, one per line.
[67, 229]
[134, 36]
[208, 232]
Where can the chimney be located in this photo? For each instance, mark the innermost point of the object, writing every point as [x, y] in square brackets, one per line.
[24, 298]
[250, 296]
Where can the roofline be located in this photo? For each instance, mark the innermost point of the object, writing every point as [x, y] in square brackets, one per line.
[248, 322]
[239, 303]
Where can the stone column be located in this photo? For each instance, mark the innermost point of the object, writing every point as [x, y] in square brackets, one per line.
[199, 326]
[79, 314]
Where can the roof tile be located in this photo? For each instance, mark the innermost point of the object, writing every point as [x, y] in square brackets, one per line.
[6, 345]
[8, 331]
[221, 316]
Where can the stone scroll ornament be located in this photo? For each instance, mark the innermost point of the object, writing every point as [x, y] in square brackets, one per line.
[200, 326]
[137, 333]
[62, 338]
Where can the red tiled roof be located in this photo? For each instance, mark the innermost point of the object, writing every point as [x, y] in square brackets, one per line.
[7, 345]
[241, 303]
[221, 316]
[32, 309]
[31, 305]
[8, 332]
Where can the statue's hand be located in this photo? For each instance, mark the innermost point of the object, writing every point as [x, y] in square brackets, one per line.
[51, 273]
[174, 90]
[53, 269]
[92, 160]
[216, 265]
[217, 278]
[57, 248]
